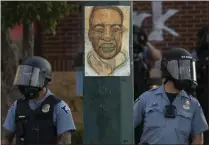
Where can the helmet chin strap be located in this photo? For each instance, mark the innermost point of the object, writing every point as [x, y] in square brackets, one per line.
[177, 84]
[32, 94]
[188, 87]
[29, 92]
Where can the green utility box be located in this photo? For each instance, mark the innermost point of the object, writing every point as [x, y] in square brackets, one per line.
[108, 100]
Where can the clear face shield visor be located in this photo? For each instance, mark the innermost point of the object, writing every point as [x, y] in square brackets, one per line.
[184, 69]
[29, 76]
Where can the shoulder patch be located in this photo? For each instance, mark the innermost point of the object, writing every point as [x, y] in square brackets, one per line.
[65, 109]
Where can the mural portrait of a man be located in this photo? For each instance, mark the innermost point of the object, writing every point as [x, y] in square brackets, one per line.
[105, 34]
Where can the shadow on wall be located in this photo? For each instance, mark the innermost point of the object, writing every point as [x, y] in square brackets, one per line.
[64, 86]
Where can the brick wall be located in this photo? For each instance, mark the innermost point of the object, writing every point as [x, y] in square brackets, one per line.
[190, 17]
[62, 48]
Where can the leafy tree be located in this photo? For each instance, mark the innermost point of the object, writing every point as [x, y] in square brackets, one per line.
[24, 12]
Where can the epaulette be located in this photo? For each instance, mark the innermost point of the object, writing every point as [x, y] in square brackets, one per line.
[137, 100]
[153, 89]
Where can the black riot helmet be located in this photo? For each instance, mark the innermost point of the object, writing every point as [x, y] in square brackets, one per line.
[139, 39]
[32, 76]
[178, 66]
[203, 43]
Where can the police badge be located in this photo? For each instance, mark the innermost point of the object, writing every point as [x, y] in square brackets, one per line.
[46, 108]
[186, 105]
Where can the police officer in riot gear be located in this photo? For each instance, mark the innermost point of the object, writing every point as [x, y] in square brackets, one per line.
[202, 47]
[143, 51]
[201, 55]
[185, 63]
[32, 76]
[39, 117]
[141, 71]
[169, 112]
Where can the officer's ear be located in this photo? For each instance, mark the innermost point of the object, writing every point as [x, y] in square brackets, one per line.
[43, 91]
[48, 84]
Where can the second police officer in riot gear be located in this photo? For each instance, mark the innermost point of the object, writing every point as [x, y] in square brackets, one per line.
[169, 112]
[143, 51]
[39, 117]
[200, 53]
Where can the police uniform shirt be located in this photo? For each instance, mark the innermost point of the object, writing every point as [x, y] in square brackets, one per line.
[62, 115]
[160, 130]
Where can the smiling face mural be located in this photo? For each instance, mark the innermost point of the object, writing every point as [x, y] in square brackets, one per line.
[105, 31]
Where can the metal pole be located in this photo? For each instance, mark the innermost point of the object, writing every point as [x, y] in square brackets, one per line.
[108, 101]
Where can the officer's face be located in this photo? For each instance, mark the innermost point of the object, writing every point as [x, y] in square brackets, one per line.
[106, 33]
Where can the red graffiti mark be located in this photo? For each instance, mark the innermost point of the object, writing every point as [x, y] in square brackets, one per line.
[17, 31]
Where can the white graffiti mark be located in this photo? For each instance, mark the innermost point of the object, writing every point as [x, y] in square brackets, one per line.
[158, 20]
[138, 18]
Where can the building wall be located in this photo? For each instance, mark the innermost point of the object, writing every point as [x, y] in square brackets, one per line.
[62, 48]
[190, 16]
[64, 85]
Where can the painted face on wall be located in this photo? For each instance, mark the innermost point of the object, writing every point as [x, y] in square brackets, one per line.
[106, 32]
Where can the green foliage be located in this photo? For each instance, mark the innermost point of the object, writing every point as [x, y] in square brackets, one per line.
[25, 12]
[77, 137]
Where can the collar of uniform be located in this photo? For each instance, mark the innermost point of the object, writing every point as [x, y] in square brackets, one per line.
[183, 94]
[161, 90]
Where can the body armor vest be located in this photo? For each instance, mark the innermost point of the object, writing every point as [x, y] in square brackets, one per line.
[36, 126]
